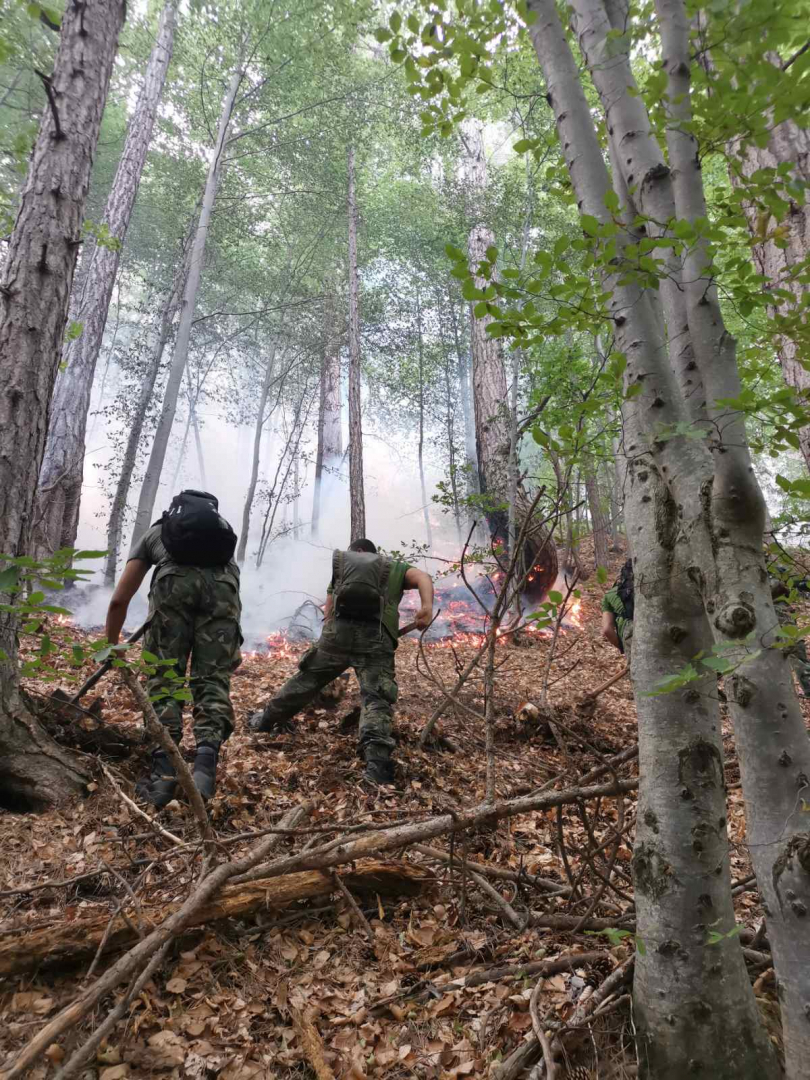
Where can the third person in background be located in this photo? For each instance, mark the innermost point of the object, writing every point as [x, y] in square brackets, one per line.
[360, 631]
[618, 609]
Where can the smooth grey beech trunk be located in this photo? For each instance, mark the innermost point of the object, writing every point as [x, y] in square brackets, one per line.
[693, 1002]
[258, 431]
[330, 435]
[157, 456]
[599, 522]
[34, 296]
[421, 446]
[357, 497]
[463, 374]
[60, 481]
[168, 311]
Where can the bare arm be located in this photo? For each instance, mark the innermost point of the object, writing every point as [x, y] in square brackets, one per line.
[128, 584]
[609, 632]
[418, 579]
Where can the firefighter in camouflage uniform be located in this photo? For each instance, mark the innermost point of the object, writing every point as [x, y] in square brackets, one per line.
[361, 627]
[194, 614]
[797, 652]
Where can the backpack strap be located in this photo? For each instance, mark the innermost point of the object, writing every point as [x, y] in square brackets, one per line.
[384, 570]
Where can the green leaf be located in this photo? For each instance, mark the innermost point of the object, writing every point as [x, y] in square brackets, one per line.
[395, 22]
[522, 145]
[590, 224]
[9, 578]
[149, 657]
[454, 253]
[612, 201]
[381, 34]
[89, 554]
[492, 253]
[601, 575]
[555, 597]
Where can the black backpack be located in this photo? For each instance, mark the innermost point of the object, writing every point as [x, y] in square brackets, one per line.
[194, 533]
[359, 585]
[626, 590]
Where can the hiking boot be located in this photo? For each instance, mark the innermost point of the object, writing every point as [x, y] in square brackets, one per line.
[379, 766]
[261, 724]
[205, 770]
[159, 785]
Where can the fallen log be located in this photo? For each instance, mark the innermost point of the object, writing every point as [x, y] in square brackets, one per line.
[72, 942]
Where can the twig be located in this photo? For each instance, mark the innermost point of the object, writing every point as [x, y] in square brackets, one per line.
[362, 921]
[539, 1031]
[312, 1045]
[509, 912]
[161, 736]
[554, 888]
[46, 82]
[137, 810]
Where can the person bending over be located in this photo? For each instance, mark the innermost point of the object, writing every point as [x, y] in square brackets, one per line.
[360, 631]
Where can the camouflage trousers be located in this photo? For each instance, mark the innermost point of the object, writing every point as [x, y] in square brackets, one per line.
[195, 614]
[346, 644]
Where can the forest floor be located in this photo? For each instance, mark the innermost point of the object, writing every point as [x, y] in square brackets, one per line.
[261, 995]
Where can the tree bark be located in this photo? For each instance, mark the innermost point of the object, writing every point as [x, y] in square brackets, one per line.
[258, 430]
[60, 481]
[356, 490]
[168, 311]
[491, 405]
[421, 447]
[680, 860]
[788, 144]
[599, 523]
[151, 480]
[463, 373]
[330, 435]
[34, 297]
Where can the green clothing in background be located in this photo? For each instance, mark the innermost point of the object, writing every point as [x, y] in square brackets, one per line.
[194, 613]
[350, 643]
[797, 652]
[396, 587]
[611, 602]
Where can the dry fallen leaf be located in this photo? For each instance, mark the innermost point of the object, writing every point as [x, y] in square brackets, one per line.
[176, 986]
[114, 1072]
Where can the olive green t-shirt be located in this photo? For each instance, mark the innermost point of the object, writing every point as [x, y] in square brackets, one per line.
[396, 587]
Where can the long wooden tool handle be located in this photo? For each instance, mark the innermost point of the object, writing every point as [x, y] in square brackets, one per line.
[606, 685]
[403, 630]
[105, 667]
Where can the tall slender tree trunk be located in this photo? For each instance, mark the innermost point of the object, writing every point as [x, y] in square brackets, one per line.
[421, 448]
[599, 523]
[115, 526]
[330, 436]
[151, 480]
[463, 373]
[60, 481]
[356, 489]
[34, 295]
[258, 429]
[695, 525]
[491, 401]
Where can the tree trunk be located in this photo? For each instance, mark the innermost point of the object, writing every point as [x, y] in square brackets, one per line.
[151, 480]
[258, 429]
[788, 144]
[463, 370]
[356, 490]
[695, 1008]
[599, 523]
[34, 297]
[115, 526]
[60, 481]
[491, 407]
[330, 436]
[421, 448]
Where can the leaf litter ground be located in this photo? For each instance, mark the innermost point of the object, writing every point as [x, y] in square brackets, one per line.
[229, 1001]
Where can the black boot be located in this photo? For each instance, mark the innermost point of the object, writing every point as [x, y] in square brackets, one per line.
[262, 724]
[205, 770]
[379, 766]
[159, 785]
